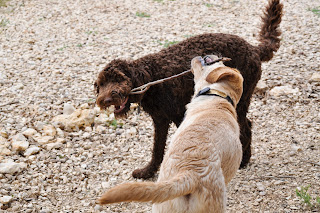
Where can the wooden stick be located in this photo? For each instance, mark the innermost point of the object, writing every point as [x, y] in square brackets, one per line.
[317, 164]
[145, 87]
[9, 103]
[142, 89]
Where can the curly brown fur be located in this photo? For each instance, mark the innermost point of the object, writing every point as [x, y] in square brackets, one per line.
[165, 102]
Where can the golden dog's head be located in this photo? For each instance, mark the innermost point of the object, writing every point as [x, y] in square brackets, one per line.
[216, 76]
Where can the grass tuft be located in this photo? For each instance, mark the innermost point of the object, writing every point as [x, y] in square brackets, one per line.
[4, 22]
[114, 123]
[304, 195]
[316, 11]
[3, 3]
[302, 192]
[167, 43]
[142, 14]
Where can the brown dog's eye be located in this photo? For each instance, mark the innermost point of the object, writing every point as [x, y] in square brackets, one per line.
[113, 93]
[96, 88]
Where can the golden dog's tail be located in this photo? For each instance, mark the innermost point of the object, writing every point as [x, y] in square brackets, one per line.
[180, 185]
[269, 33]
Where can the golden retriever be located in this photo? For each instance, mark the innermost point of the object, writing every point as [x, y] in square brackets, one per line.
[204, 153]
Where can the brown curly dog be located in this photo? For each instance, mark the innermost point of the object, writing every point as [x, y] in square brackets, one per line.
[165, 102]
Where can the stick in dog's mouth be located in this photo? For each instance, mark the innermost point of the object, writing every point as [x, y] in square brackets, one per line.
[207, 60]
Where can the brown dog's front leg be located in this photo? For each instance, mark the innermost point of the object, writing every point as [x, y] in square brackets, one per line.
[161, 127]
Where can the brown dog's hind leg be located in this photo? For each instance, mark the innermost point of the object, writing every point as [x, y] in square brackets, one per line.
[245, 138]
[161, 127]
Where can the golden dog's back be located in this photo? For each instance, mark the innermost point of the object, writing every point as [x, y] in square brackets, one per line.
[207, 143]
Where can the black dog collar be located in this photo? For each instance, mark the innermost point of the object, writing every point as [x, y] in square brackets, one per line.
[213, 92]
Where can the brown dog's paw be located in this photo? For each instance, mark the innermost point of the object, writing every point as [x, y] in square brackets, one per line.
[144, 173]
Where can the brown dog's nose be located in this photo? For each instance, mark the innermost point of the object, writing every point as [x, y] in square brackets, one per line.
[107, 101]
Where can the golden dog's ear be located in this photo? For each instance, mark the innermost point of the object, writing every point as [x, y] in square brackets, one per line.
[224, 73]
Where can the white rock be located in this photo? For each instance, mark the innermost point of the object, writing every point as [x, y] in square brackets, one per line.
[261, 86]
[19, 145]
[101, 119]
[43, 139]
[31, 151]
[3, 133]
[283, 90]
[6, 199]
[96, 110]
[98, 208]
[11, 167]
[19, 137]
[3, 140]
[4, 144]
[105, 185]
[68, 109]
[39, 125]
[315, 77]
[4, 150]
[60, 133]
[79, 118]
[260, 187]
[86, 135]
[29, 132]
[131, 132]
[49, 130]
[16, 87]
[262, 193]
[101, 129]
[19, 142]
[56, 145]
[296, 148]
[61, 140]
[84, 106]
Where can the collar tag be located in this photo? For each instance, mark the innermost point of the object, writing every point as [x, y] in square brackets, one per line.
[208, 91]
[203, 91]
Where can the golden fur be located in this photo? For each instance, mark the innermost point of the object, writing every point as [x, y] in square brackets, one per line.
[204, 153]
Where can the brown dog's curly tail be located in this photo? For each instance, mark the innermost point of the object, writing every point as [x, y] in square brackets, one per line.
[182, 184]
[269, 34]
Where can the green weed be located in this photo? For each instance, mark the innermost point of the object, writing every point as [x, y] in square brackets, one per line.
[114, 123]
[316, 11]
[4, 22]
[167, 43]
[188, 36]
[209, 5]
[89, 32]
[3, 3]
[62, 48]
[306, 197]
[142, 14]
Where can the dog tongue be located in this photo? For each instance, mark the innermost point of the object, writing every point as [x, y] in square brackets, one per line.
[120, 108]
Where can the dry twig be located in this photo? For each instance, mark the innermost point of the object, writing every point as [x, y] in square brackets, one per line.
[142, 89]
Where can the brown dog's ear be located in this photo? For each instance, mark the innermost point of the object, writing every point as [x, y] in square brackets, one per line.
[224, 73]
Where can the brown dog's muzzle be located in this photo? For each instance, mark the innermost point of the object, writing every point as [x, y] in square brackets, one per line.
[104, 101]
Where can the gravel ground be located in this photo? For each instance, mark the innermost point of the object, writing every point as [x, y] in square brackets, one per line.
[50, 54]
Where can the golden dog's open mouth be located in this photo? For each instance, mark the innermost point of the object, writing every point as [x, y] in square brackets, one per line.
[119, 108]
